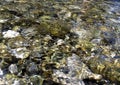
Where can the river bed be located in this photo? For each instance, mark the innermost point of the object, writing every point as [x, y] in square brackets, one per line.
[59, 42]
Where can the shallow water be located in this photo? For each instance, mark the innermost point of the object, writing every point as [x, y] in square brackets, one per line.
[32, 34]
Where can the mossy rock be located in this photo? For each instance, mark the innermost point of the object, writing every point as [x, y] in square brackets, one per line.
[108, 69]
[55, 28]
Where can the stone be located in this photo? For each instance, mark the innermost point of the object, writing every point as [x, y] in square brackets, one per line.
[13, 68]
[10, 34]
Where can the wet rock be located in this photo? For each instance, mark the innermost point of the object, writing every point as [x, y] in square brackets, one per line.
[96, 41]
[83, 34]
[20, 53]
[10, 34]
[1, 72]
[36, 80]
[5, 56]
[3, 48]
[117, 44]
[3, 20]
[16, 82]
[11, 79]
[64, 14]
[109, 37]
[28, 32]
[60, 42]
[76, 72]
[103, 65]
[17, 42]
[32, 68]
[13, 68]
[47, 38]
[2, 82]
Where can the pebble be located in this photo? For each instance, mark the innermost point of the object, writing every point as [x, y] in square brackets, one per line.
[20, 52]
[16, 82]
[32, 68]
[96, 41]
[115, 21]
[3, 20]
[60, 42]
[1, 72]
[13, 68]
[10, 34]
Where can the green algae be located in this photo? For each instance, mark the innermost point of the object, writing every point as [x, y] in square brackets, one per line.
[93, 13]
[36, 80]
[54, 28]
[108, 69]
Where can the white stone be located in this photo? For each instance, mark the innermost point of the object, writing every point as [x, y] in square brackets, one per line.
[20, 52]
[115, 21]
[67, 15]
[13, 68]
[113, 54]
[10, 34]
[16, 82]
[74, 7]
[1, 72]
[3, 20]
[60, 42]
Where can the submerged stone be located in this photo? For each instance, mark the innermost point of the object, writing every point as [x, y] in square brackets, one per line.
[1, 72]
[20, 53]
[77, 71]
[13, 68]
[10, 34]
[107, 67]
[54, 28]
[32, 68]
[36, 80]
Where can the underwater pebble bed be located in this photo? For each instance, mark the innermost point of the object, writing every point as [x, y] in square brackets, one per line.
[59, 42]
